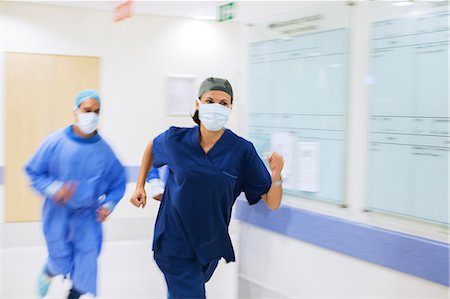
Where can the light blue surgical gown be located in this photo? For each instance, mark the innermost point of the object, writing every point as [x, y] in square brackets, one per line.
[72, 232]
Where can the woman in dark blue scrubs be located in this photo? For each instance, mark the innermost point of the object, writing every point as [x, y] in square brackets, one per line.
[209, 166]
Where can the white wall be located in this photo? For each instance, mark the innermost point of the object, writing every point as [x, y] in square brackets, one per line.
[136, 56]
[360, 17]
[276, 266]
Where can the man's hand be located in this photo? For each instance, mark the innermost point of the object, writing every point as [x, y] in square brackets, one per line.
[102, 213]
[65, 193]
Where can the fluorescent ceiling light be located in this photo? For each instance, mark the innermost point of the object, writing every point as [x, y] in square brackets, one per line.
[403, 3]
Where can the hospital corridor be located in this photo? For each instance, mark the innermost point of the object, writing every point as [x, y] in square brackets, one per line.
[224, 149]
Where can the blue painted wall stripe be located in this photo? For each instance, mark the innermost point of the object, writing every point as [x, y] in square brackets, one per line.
[132, 173]
[409, 254]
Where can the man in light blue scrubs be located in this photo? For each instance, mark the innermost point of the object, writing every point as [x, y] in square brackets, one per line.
[82, 181]
[209, 166]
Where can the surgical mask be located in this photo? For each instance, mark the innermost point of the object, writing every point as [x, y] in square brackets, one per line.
[87, 122]
[213, 116]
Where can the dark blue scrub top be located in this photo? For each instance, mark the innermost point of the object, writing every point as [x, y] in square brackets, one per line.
[200, 191]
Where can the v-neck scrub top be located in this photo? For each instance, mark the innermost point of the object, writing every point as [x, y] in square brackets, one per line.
[200, 191]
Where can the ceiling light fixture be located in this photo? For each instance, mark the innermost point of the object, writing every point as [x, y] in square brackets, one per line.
[403, 3]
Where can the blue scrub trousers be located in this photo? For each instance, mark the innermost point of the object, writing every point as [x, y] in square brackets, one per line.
[185, 278]
[74, 241]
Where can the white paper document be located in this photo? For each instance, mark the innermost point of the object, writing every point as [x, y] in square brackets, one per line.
[284, 144]
[180, 95]
[309, 166]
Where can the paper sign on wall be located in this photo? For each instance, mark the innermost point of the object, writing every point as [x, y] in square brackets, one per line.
[309, 166]
[283, 143]
[180, 95]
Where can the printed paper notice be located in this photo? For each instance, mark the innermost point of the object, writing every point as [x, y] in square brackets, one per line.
[309, 166]
[283, 144]
[180, 95]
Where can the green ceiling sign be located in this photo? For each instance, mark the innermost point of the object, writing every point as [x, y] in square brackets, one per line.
[227, 12]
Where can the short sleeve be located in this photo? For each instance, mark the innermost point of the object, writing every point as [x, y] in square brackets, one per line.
[153, 174]
[160, 154]
[256, 180]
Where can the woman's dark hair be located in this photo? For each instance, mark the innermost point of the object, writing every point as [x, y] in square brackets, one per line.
[196, 118]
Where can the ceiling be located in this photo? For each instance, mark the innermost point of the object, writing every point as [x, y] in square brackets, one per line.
[246, 11]
[160, 8]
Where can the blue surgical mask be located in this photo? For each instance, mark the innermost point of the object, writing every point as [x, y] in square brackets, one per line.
[213, 116]
[87, 122]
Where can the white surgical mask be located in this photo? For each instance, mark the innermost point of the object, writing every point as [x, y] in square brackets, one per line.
[213, 116]
[87, 122]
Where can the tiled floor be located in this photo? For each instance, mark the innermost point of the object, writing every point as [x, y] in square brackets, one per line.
[127, 270]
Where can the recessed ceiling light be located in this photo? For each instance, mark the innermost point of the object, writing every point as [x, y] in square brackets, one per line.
[403, 3]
